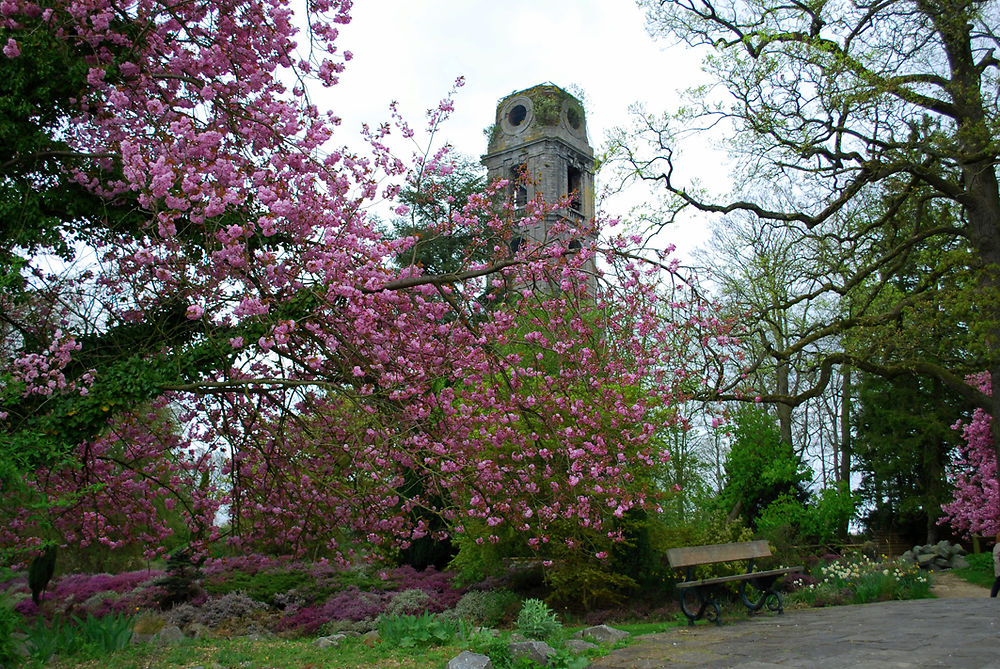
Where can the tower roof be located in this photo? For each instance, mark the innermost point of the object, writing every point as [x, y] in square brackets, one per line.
[542, 111]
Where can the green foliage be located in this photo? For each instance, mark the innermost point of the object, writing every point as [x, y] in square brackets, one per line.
[861, 580]
[442, 247]
[902, 446]
[10, 622]
[979, 571]
[109, 634]
[104, 635]
[410, 631]
[262, 586]
[760, 467]
[487, 608]
[830, 510]
[562, 658]
[413, 600]
[181, 580]
[579, 584]
[816, 522]
[536, 620]
[496, 647]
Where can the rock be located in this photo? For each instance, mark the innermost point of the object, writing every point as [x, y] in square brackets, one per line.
[490, 631]
[20, 642]
[197, 631]
[579, 645]
[469, 660]
[329, 641]
[517, 636]
[958, 562]
[601, 634]
[370, 638]
[168, 636]
[925, 559]
[536, 651]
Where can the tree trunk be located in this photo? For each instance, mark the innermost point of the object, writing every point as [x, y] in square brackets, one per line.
[844, 471]
[783, 411]
[981, 191]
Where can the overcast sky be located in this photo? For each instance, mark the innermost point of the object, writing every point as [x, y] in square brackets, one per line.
[412, 50]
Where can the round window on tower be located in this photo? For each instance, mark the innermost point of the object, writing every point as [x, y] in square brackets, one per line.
[517, 114]
[573, 118]
[572, 114]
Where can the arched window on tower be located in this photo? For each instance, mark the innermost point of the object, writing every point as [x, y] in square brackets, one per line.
[518, 174]
[574, 184]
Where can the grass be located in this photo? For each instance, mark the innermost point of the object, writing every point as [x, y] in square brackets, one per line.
[352, 653]
[638, 629]
[979, 571]
[264, 654]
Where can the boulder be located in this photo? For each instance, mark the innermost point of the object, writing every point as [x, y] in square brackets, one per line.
[579, 645]
[536, 651]
[469, 660]
[601, 634]
[168, 636]
[329, 641]
[197, 631]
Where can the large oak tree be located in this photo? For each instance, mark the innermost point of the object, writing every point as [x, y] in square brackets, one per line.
[869, 130]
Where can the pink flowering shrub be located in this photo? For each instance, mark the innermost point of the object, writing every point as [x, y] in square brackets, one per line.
[351, 604]
[976, 506]
[439, 586]
[96, 594]
[299, 377]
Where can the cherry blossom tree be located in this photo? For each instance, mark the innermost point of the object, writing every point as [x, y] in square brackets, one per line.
[976, 507]
[245, 342]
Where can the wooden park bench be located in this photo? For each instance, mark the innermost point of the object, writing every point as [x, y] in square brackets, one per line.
[699, 592]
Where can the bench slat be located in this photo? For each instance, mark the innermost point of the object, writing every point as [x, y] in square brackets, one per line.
[694, 555]
[738, 577]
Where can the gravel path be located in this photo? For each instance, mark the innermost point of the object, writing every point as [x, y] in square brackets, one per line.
[954, 630]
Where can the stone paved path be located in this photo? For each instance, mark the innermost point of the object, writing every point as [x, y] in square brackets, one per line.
[959, 632]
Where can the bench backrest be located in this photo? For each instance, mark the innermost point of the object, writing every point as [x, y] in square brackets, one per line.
[694, 555]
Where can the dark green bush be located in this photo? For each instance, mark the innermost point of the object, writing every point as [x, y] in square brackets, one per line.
[10, 621]
[262, 586]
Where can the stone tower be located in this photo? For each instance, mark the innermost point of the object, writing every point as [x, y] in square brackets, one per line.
[541, 133]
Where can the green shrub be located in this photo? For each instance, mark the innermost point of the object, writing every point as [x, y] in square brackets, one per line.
[109, 634]
[263, 586]
[180, 583]
[67, 638]
[496, 647]
[60, 637]
[10, 621]
[408, 601]
[487, 608]
[537, 620]
[587, 586]
[409, 631]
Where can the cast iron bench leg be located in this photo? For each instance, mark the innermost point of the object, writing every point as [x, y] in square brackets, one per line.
[708, 608]
[768, 595]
